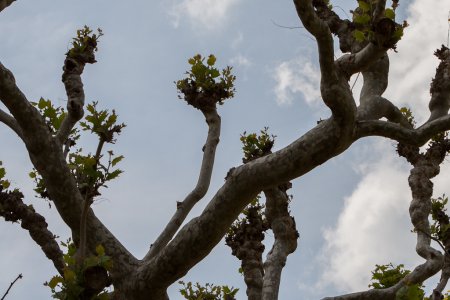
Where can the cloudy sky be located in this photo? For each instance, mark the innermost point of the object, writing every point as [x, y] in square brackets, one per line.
[352, 212]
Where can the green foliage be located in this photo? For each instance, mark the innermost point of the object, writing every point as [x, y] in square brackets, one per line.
[83, 40]
[255, 146]
[440, 227]
[206, 81]
[91, 174]
[385, 276]
[208, 292]
[71, 286]
[384, 32]
[407, 113]
[53, 116]
[4, 183]
[101, 123]
[91, 171]
[410, 292]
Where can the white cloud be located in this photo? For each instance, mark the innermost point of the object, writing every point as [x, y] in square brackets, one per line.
[413, 67]
[374, 228]
[297, 76]
[204, 14]
[240, 61]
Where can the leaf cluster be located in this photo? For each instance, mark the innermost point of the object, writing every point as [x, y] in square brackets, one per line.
[440, 227]
[102, 123]
[208, 292]
[385, 276]
[74, 285]
[4, 183]
[53, 116]
[84, 40]
[384, 32]
[91, 171]
[407, 113]
[255, 146]
[205, 85]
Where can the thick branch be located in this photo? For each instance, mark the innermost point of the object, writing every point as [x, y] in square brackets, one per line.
[11, 123]
[334, 87]
[320, 30]
[13, 209]
[285, 233]
[243, 183]
[402, 134]
[204, 179]
[5, 3]
[356, 62]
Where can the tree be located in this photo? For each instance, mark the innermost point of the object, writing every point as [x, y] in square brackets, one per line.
[72, 180]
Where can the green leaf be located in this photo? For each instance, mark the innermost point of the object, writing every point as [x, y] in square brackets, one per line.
[363, 19]
[54, 281]
[389, 13]
[113, 174]
[359, 35]
[211, 60]
[365, 7]
[100, 250]
[398, 33]
[116, 160]
[69, 275]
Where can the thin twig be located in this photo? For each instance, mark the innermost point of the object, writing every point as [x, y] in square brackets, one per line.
[287, 27]
[357, 76]
[10, 286]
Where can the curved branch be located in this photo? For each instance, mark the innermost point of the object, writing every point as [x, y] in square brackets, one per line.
[11, 123]
[204, 179]
[13, 209]
[73, 68]
[285, 233]
[401, 134]
[189, 246]
[356, 62]
[334, 87]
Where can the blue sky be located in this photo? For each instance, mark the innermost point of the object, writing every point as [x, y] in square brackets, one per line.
[352, 212]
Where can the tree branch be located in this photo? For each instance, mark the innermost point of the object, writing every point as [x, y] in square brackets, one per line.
[73, 68]
[401, 134]
[11, 123]
[5, 3]
[189, 246]
[13, 209]
[440, 86]
[285, 233]
[183, 208]
[333, 86]
[11, 285]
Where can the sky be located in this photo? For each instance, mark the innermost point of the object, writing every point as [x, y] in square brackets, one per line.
[351, 212]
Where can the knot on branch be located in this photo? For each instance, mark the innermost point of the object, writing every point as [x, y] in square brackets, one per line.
[245, 236]
[441, 82]
[12, 207]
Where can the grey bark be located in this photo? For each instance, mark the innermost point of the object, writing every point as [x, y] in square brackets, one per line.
[178, 253]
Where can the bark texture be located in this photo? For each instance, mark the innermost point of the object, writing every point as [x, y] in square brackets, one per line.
[179, 248]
